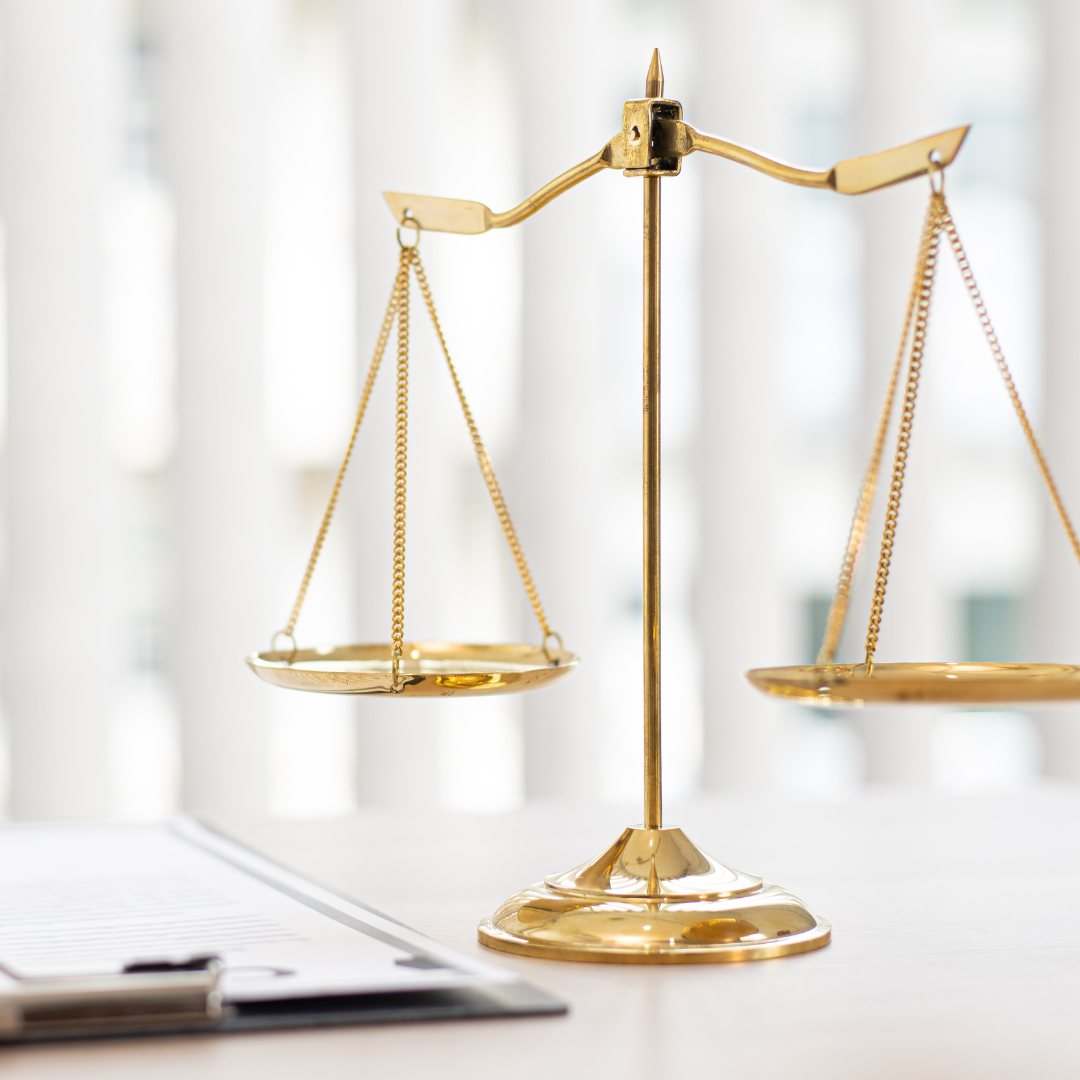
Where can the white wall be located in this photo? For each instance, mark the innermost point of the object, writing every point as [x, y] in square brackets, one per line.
[60, 144]
[216, 67]
[279, 125]
[1058, 597]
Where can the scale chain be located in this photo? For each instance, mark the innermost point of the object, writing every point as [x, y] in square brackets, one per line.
[834, 626]
[999, 358]
[398, 309]
[907, 415]
[942, 222]
[485, 464]
[401, 463]
[400, 282]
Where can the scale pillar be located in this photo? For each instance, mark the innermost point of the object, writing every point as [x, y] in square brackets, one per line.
[653, 897]
[654, 88]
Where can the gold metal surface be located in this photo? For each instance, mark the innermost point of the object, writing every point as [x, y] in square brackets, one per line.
[921, 684]
[539, 922]
[653, 863]
[650, 485]
[838, 609]
[1010, 387]
[486, 469]
[401, 281]
[427, 669]
[461, 216]
[398, 309]
[670, 139]
[907, 415]
[654, 77]
[401, 467]
[970, 683]
[654, 898]
[858, 176]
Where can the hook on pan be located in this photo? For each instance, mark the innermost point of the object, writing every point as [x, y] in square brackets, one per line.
[409, 221]
[936, 170]
[285, 634]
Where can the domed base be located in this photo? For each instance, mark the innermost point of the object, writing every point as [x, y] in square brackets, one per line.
[654, 898]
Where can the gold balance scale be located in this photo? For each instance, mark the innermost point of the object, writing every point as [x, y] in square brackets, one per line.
[653, 896]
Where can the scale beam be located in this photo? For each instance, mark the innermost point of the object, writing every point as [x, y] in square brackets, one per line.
[669, 141]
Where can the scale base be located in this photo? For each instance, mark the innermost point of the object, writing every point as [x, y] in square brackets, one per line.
[654, 898]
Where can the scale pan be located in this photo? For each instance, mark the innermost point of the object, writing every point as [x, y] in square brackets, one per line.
[428, 669]
[921, 684]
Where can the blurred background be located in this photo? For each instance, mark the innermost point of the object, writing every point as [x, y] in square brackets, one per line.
[196, 257]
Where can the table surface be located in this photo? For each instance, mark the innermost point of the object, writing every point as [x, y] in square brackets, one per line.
[955, 953]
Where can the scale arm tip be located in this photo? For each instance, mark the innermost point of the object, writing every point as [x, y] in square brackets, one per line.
[874, 171]
[439, 215]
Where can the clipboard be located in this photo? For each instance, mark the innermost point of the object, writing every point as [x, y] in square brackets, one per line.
[77, 899]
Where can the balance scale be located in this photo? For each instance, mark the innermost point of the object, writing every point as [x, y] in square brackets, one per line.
[653, 896]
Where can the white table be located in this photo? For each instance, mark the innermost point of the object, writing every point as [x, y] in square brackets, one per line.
[956, 950]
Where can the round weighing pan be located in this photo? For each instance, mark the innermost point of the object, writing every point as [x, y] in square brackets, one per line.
[427, 669]
[921, 684]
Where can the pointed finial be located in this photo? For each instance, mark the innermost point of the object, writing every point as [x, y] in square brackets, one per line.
[654, 81]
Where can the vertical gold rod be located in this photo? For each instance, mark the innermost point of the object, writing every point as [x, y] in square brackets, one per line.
[651, 499]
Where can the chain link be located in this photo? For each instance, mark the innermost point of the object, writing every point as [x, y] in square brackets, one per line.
[401, 461]
[400, 281]
[903, 436]
[834, 626]
[398, 309]
[941, 221]
[485, 466]
[999, 358]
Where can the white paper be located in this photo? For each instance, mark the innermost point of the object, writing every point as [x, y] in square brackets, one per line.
[88, 899]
